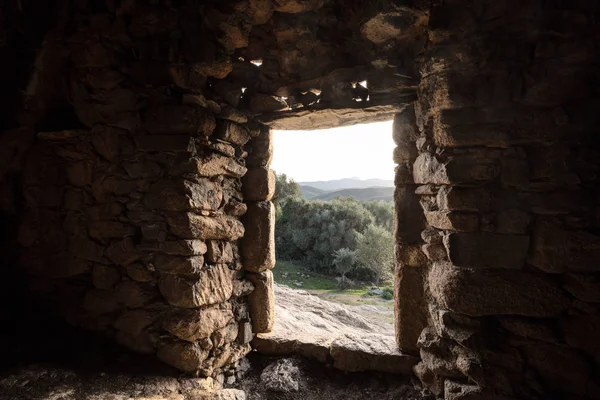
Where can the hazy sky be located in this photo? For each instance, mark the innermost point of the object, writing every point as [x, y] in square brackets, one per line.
[362, 151]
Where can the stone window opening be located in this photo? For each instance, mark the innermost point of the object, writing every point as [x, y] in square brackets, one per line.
[346, 335]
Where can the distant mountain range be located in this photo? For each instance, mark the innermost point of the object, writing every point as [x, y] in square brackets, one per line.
[362, 190]
[348, 183]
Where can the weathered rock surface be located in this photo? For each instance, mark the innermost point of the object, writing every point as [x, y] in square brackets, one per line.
[213, 285]
[262, 301]
[281, 376]
[194, 226]
[309, 326]
[258, 243]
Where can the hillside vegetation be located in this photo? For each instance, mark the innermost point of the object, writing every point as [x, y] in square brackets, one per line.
[368, 194]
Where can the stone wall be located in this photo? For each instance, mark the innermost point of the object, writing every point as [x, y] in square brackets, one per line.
[508, 174]
[134, 203]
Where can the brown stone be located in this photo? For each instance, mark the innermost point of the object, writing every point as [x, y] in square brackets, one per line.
[559, 367]
[231, 132]
[236, 209]
[225, 335]
[169, 264]
[212, 165]
[82, 247]
[122, 252]
[242, 288]
[258, 243]
[486, 250]
[134, 321]
[193, 325]
[262, 302]
[263, 103]
[379, 354]
[538, 330]
[104, 230]
[495, 292]
[142, 343]
[219, 252]
[245, 334]
[409, 311]
[460, 169]
[262, 149]
[139, 273]
[259, 184]
[133, 294]
[178, 120]
[187, 357]
[106, 141]
[297, 6]
[105, 277]
[225, 394]
[555, 250]
[213, 285]
[462, 222]
[193, 226]
[175, 143]
[177, 247]
[453, 198]
[177, 195]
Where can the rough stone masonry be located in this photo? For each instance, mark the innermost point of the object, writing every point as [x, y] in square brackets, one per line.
[135, 182]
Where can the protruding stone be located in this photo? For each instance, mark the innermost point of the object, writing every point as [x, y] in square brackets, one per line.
[462, 222]
[176, 247]
[231, 132]
[219, 252]
[212, 165]
[262, 302]
[487, 250]
[183, 195]
[187, 357]
[122, 252]
[453, 198]
[214, 285]
[193, 325]
[258, 244]
[245, 334]
[178, 265]
[133, 294]
[484, 292]
[259, 184]
[193, 226]
[134, 321]
[263, 103]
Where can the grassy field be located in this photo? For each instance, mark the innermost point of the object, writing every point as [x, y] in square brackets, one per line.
[290, 274]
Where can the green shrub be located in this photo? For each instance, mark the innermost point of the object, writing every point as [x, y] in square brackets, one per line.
[388, 293]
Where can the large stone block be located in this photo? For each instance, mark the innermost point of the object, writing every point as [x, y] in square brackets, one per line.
[458, 169]
[378, 354]
[258, 244]
[193, 325]
[178, 120]
[462, 222]
[193, 226]
[259, 184]
[231, 132]
[261, 149]
[561, 368]
[495, 292]
[214, 285]
[169, 264]
[454, 198]
[219, 252]
[556, 250]
[135, 295]
[183, 195]
[582, 333]
[405, 127]
[187, 357]
[487, 250]
[176, 247]
[210, 166]
[410, 308]
[262, 302]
